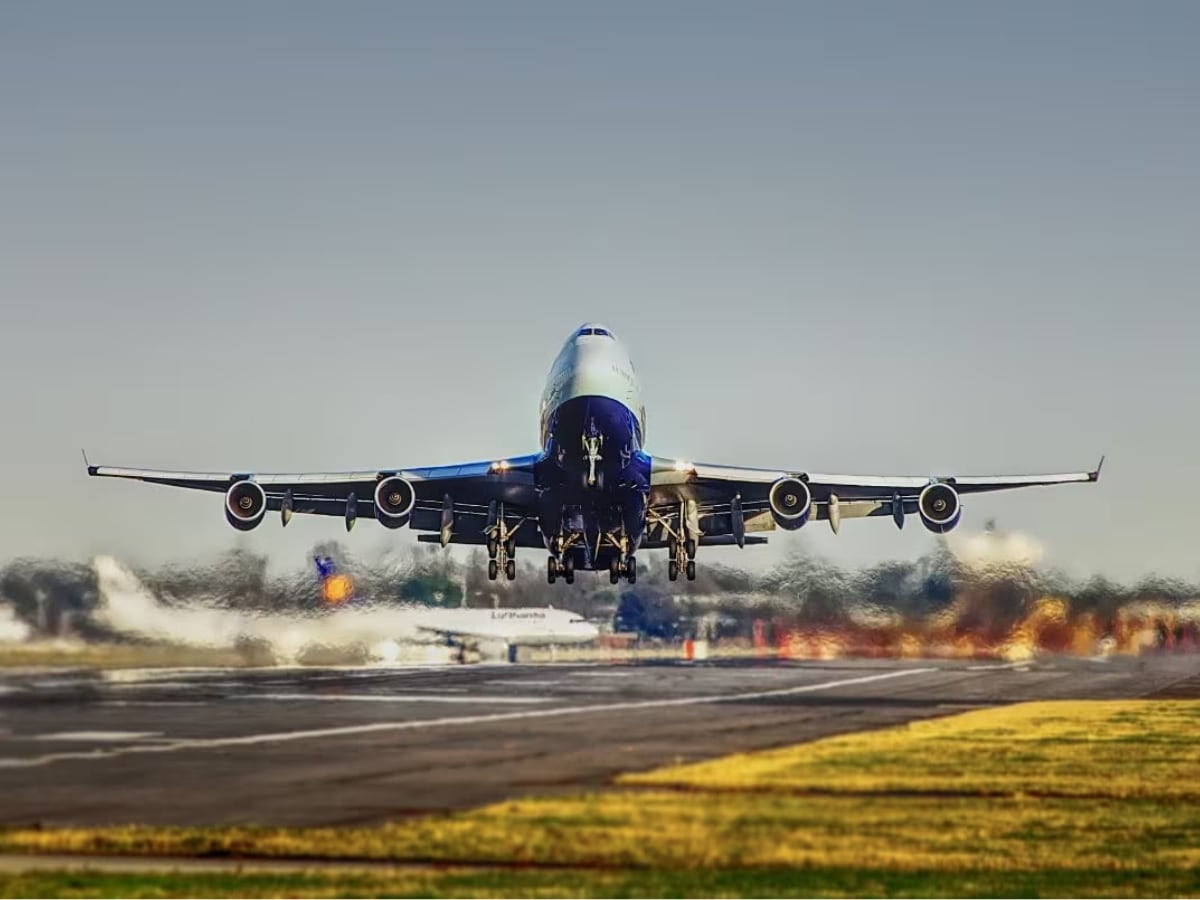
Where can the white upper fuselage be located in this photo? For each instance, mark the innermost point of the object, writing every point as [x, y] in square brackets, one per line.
[592, 363]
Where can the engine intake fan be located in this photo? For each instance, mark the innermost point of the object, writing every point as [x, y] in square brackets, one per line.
[394, 500]
[940, 507]
[245, 504]
[791, 502]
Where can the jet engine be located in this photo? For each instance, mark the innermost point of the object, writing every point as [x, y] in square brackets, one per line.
[791, 502]
[394, 499]
[245, 504]
[939, 507]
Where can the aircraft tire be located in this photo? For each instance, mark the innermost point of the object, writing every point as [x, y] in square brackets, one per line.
[551, 570]
[691, 570]
[493, 569]
[673, 570]
[510, 570]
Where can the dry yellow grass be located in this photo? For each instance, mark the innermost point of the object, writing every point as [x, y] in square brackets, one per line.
[1044, 787]
[674, 830]
[1120, 748]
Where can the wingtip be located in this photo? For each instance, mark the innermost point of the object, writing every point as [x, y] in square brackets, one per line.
[91, 470]
[1095, 475]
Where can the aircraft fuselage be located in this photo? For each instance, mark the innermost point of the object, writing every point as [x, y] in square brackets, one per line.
[595, 478]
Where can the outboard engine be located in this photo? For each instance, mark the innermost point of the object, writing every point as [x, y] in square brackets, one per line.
[939, 507]
[394, 500]
[791, 503]
[245, 504]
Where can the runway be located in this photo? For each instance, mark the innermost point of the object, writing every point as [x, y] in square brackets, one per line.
[362, 745]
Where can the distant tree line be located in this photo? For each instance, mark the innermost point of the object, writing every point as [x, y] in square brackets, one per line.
[56, 597]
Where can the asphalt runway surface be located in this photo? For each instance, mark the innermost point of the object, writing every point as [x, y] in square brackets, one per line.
[354, 746]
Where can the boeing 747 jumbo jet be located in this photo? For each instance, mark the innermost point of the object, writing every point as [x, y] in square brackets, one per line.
[592, 496]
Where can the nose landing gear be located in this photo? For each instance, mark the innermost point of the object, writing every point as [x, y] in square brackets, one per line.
[592, 442]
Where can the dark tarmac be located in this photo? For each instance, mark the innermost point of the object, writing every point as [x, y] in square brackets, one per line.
[361, 745]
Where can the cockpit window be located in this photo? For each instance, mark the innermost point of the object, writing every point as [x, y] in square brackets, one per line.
[598, 332]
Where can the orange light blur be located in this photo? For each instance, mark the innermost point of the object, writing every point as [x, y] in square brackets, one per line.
[1046, 627]
[337, 589]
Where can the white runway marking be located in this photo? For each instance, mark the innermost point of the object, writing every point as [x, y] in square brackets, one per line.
[151, 703]
[99, 736]
[420, 724]
[997, 666]
[397, 698]
[523, 682]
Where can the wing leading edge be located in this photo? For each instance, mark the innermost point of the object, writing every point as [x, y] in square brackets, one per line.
[723, 493]
[468, 493]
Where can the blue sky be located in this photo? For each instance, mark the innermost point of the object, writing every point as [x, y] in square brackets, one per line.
[914, 238]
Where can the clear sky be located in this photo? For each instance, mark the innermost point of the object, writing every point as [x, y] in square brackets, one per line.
[862, 237]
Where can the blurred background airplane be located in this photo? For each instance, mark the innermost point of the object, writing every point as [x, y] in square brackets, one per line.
[488, 632]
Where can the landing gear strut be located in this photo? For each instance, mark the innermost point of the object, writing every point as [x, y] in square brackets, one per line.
[682, 552]
[502, 545]
[592, 442]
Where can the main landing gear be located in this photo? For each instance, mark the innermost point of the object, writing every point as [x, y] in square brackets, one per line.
[618, 567]
[564, 567]
[683, 558]
[561, 561]
[622, 561]
[501, 546]
[683, 530]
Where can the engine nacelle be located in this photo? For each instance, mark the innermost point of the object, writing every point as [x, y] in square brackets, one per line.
[245, 504]
[394, 501]
[939, 507]
[791, 503]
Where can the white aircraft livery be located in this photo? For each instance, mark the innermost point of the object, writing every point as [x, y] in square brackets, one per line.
[592, 496]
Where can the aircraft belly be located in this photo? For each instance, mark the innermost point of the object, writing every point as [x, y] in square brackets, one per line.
[595, 478]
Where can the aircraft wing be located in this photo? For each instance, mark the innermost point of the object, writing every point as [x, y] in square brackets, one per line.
[464, 492]
[718, 491]
[460, 634]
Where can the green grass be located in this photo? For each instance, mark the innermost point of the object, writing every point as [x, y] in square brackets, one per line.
[802, 882]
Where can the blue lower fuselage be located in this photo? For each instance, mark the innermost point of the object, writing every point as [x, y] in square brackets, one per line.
[594, 478]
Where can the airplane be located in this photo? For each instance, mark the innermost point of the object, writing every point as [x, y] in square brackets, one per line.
[592, 496]
[129, 607]
[508, 628]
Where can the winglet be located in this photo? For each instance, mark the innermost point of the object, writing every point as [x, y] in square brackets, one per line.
[91, 470]
[1095, 476]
